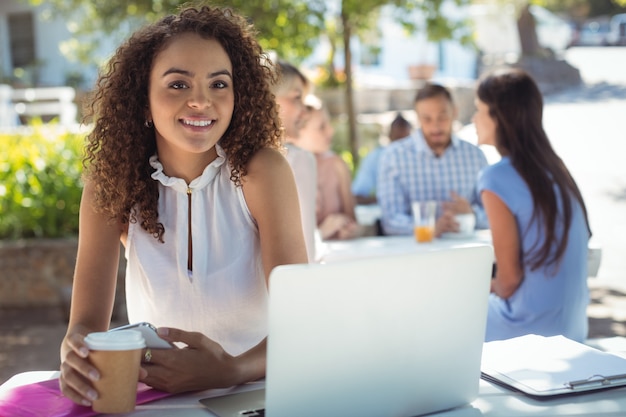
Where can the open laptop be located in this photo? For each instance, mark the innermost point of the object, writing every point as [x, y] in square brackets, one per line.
[396, 335]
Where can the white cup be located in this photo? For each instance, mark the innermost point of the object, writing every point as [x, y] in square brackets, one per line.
[467, 222]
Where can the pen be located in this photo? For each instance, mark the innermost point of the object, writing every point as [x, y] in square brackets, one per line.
[596, 381]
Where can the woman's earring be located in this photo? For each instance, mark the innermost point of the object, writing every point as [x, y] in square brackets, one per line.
[148, 123]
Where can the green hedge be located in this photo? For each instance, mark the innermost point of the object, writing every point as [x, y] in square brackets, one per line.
[40, 182]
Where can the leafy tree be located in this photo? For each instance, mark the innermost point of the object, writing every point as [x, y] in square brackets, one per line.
[288, 27]
[359, 17]
[291, 28]
[577, 9]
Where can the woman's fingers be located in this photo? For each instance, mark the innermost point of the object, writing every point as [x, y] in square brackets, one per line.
[77, 343]
[82, 366]
[446, 223]
[191, 339]
[76, 374]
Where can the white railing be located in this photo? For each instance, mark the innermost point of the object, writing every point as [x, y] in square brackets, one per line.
[57, 102]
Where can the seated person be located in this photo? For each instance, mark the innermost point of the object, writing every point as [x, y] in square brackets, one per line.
[537, 216]
[290, 91]
[335, 203]
[364, 184]
[431, 164]
[199, 195]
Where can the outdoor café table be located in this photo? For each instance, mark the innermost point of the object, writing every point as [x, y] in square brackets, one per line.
[366, 247]
[492, 401]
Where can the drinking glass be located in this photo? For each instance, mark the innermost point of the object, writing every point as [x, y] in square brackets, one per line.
[424, 220]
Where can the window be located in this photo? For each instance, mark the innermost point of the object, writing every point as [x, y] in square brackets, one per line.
[22, 35]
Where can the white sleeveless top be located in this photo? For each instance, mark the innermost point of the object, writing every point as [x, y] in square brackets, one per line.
[224, 296]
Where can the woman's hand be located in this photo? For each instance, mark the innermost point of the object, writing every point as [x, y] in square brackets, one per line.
[457, 204]
[338, 226]
[76, 371]
[446, 223]
[350, 230]
[203, 364]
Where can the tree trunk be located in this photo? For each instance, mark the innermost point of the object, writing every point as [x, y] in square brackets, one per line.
[352, 126]
[527, 29]
[331, 63]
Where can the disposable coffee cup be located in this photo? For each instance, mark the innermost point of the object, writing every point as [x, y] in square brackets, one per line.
[117, 356]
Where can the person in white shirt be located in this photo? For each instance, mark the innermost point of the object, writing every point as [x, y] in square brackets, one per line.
[290, 91]
[184, 167]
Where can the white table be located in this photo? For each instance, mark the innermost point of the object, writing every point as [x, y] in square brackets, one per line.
[492, 401]
[367, 247]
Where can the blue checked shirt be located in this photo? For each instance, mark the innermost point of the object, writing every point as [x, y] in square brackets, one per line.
[409, 171]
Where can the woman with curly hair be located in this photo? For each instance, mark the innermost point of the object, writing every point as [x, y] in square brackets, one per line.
[536, 214]
[184, 166]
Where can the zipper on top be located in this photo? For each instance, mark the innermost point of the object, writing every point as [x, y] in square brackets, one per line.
[189, 238]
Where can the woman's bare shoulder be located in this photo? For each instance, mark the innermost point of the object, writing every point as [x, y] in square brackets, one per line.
[265, 157]
[266, 163]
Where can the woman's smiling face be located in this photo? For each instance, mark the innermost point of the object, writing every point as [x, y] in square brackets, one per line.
[191, 94]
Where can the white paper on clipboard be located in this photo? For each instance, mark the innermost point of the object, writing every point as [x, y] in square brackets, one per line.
[546, 366]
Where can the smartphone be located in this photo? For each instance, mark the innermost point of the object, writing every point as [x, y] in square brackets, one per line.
[149, 332]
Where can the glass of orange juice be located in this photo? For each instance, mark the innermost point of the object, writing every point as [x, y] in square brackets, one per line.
[424, 220]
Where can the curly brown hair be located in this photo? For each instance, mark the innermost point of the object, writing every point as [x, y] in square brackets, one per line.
[119, 146]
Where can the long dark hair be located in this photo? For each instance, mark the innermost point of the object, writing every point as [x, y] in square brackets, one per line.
[516, 104]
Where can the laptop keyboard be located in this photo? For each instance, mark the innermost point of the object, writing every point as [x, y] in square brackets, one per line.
[253, 413]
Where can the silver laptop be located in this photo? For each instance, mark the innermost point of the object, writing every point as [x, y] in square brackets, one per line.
[386, 336]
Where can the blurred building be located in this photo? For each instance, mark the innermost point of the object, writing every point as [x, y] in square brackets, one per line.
[394, 57]
[31, 42]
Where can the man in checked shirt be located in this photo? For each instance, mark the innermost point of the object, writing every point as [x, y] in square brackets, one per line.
[430, 164]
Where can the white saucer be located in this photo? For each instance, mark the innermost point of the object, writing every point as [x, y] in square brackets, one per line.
[457, 235]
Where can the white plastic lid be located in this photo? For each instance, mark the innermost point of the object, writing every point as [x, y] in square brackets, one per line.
[118, 340]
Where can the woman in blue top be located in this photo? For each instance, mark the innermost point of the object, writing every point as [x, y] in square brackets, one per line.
[536, 213]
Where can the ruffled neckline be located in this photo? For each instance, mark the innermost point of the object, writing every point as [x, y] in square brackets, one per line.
[179, 184]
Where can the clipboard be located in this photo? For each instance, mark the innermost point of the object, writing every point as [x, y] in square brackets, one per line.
[544, 367]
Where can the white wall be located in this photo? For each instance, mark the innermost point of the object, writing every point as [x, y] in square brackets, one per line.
[48, 36]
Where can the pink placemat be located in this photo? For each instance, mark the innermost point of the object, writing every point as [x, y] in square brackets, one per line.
[45, 399]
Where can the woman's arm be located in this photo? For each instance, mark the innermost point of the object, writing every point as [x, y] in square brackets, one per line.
[270, 192]
[506, 244]
[93, 295]
[271, 195]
